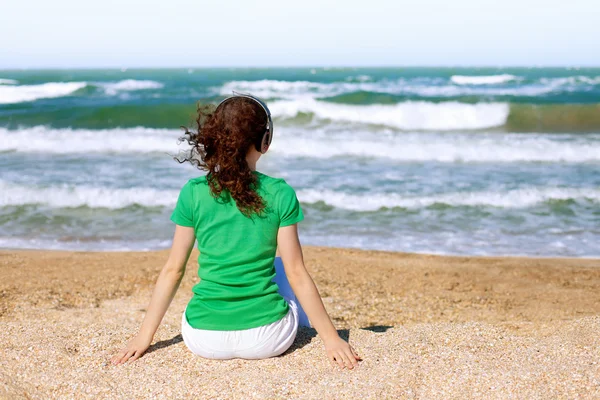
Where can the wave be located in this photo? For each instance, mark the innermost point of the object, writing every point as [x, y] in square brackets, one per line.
[482, 80]
[80, 196]
[517, 198]
[323, 143]
[275, 89]
[24, 93]
[8, 81]
[447, 116]
[41, 139]
[112, 88]
[418, 115]
[268, 88]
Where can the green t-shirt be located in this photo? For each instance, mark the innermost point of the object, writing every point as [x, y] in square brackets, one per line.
[236, 262]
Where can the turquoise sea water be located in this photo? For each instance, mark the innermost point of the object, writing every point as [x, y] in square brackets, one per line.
[437, 160]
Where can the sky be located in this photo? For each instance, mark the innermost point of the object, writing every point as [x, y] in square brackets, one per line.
[260, 33]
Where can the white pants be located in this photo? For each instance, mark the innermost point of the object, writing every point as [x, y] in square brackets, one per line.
[256, 343]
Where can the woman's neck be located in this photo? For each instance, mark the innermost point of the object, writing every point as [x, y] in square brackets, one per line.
[251, 159]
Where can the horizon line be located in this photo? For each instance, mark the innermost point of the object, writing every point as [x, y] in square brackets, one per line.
[324, 67]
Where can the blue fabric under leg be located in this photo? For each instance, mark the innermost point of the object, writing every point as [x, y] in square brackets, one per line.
[285, 290]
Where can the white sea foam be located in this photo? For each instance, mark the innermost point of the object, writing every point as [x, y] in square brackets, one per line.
[82, 244]
[41, 139]
[482, 80]
[127, 85]
[77, 196]
[418, 115]
[447, 147]
[518, 198]
[23, 93]
[10, 93]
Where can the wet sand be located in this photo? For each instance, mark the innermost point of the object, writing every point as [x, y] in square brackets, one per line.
[426, 327]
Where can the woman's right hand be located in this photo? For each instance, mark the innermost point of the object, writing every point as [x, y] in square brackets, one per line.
[339, 351]
[134, 350]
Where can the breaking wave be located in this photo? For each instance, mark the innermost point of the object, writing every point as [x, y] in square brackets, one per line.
[11, 93]
[127, 85]
[418, 115]
[23, 93]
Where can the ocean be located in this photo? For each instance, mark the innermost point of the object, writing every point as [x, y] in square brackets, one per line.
[466, 161]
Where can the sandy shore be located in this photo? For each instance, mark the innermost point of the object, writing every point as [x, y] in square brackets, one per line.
[426, 326]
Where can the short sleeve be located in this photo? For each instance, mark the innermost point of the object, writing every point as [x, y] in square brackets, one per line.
[182, 214]
[290, 211]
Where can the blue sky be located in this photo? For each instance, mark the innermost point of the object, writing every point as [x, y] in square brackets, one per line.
[178, 33]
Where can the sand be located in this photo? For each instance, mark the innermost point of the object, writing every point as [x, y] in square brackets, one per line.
[426, 327]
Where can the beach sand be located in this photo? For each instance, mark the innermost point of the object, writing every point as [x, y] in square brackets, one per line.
[426, 327]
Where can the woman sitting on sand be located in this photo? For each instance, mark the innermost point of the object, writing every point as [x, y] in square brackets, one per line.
[239, 217]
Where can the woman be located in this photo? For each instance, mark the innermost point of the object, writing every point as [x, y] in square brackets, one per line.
[239, 217]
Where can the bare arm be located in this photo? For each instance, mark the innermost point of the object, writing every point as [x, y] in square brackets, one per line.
[338, 350]
[166, 286]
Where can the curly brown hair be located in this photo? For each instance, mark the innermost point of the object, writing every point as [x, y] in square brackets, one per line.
[220, 146]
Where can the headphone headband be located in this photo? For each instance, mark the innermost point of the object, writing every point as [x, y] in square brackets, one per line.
[267, 137]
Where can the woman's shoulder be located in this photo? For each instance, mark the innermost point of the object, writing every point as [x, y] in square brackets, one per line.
[193, 187]
[273, 182]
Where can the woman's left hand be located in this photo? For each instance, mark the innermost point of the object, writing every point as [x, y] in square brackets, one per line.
[134, 350]
[339, 351]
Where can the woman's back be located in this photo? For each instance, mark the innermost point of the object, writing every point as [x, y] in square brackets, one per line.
[237, 252]
[239, 218]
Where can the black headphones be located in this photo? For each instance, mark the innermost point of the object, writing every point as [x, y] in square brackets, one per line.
[265, 141]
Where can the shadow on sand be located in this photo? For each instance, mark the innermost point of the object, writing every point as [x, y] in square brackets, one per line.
[303, 338]
[165, 343]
